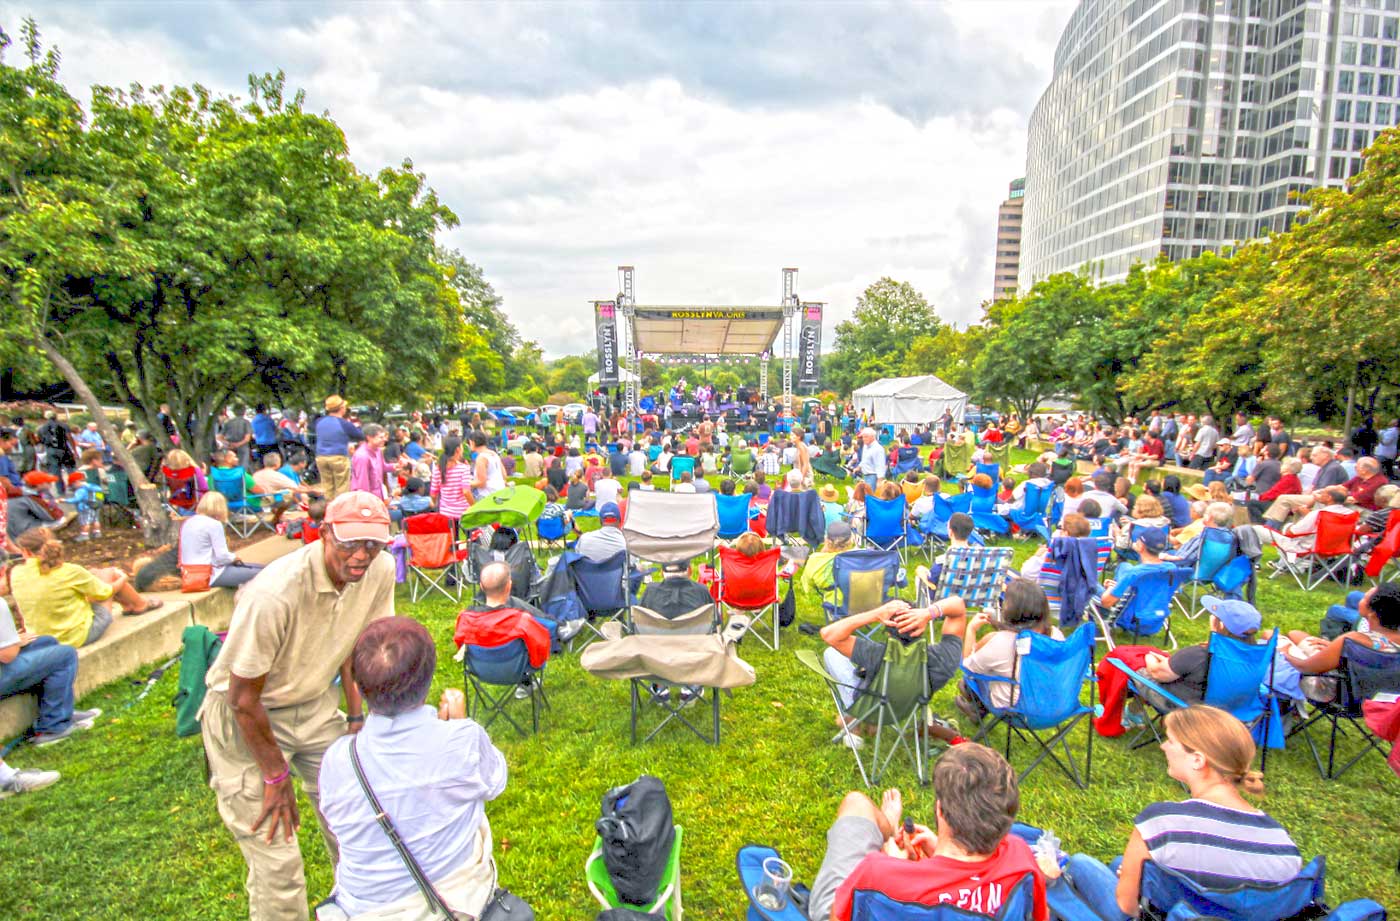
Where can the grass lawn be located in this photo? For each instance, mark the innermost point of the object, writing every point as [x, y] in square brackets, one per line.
[132, 831]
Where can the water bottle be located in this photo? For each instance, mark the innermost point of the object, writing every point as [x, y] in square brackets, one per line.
[1047, 847]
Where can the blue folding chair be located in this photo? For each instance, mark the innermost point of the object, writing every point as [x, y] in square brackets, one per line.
[885, 522]
[984, 511]
[244, 517]
[734, 514]
[553, 531]
[1218, 549]
[1145, 610]
[907, 461]
[1239, 679]
[1364, 673]
[1168, 893]
[681, 464]
[933, 527]
[861, 581]
[1016, 905]
[507, 667]
[1034, 513]
[1056, 672]
[603, 590]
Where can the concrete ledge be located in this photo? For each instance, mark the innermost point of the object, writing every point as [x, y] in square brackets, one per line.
[144, 639]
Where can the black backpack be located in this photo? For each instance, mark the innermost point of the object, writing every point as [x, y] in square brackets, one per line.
[637, 831]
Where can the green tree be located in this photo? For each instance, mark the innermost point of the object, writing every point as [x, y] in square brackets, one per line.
[1018, 363]
[875, 341]
[948, 354]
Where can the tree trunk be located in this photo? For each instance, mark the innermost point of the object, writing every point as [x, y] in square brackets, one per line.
[1351, 404]
[156, 524]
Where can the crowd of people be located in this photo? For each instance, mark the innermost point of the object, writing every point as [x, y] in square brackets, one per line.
[319, 678]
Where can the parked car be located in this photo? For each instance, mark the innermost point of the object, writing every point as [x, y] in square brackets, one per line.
[474, 406]
[514, 415]
[977, 415]
[574, 412]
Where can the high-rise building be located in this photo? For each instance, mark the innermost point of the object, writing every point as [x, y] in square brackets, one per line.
[1178, 126]
[1008, 261]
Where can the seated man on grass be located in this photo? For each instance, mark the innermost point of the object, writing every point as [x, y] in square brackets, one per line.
[969, 860]
[855, 660]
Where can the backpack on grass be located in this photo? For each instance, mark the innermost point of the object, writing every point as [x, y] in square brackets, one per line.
[637, 831]
[201, 647]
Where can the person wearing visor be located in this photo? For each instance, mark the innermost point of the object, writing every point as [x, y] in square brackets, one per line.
[272, 705]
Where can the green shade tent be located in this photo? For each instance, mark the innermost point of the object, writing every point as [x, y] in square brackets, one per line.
[515, 507]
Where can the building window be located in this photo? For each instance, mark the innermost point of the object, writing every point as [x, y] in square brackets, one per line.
[1368, 55]
[1346, 81]
[1363, 112]
[1385, 85]
[1342, 112]
[1365, 84]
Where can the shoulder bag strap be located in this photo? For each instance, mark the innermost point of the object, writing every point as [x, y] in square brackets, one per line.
[430, 895]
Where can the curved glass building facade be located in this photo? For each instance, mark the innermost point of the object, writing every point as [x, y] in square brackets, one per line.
[1178, 126]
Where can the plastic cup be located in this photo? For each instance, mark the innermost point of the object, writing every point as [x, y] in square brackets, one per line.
[772, 893]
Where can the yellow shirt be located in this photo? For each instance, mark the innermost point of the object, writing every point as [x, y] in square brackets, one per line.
[57, 603]
[292, 626]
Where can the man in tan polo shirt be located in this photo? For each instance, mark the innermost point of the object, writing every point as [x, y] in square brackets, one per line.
[271, 706]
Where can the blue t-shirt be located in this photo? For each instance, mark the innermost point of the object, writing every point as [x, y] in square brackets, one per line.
[264, 429]
[287, 471]
[414, 450]
[333, 435]
[1178, 508]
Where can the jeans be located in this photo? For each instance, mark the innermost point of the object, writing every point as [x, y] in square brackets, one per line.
[1341, 618]
[1086, 892]
[234, 575]
[101, 620]
[46, 667]
[871, 481]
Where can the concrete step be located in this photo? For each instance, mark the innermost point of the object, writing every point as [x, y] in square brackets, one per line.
[132, 643]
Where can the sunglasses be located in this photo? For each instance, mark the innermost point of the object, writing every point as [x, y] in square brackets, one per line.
[368, 546]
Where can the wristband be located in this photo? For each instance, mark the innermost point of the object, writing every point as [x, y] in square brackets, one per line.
[354, 719]
[286, 772]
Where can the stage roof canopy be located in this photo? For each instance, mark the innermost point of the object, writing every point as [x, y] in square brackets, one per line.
[706, 330]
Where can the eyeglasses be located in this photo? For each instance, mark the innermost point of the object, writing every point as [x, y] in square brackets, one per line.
[369, 546]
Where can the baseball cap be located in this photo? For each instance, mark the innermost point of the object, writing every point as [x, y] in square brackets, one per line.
[37, 478]
[838, 530]
[1154, 539]
[1239, 617]
[609, 511]
[358, 515]
[75, 478]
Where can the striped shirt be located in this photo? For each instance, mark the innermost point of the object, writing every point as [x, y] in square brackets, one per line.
[451, 496]
[1218, 847]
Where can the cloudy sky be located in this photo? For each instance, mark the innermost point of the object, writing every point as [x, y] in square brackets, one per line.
[708, 144]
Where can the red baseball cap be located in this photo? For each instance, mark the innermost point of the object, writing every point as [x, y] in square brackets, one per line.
[37, 478]
[358, 515]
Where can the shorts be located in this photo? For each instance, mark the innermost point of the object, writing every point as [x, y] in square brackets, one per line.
[849, 840]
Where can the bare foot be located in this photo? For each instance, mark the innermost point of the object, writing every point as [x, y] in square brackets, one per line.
[892, 807]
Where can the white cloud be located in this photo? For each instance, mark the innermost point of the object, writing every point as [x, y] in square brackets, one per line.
[565, 166]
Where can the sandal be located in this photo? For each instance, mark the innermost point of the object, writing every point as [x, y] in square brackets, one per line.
[152, 604]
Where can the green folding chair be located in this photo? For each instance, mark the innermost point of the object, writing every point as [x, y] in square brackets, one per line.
[668, 896]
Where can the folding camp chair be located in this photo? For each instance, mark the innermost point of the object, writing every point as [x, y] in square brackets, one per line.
[906, 461]
[1066, 553]
[896, 700]
[603, 590]
[1034, 513]
[647, 622]
[244, 517]
[740, 465]
[1165, 893]
[123, 508]
[933, 527]
[733, 514]
[1238, 678]
[862, 580]
[872, 905]
[975, 574]
[553, 532]
[506, 667]
[1055, 671]
[984, 511]
[885, 522]
[750, 584]
[681, 464]
[180, 491]
[1330, 555]
[668, 894]
[1218, 548]
[434, 556]
[1145, 609]
[1364, 673]
[1385, 552]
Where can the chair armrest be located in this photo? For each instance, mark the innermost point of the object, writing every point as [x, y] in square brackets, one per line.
[1137, 679]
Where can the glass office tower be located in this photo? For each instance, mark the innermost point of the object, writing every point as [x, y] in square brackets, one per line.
[1179, 126]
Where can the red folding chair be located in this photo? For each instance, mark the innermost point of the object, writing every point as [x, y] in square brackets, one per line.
[181, 489]
[750, 584]
[1331, 552]
[1385, 549]
[434, 556]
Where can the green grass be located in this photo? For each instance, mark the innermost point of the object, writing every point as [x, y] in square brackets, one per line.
[132, 832]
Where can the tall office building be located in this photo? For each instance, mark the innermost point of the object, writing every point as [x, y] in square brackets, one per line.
[1008, 261]
[1178, 126]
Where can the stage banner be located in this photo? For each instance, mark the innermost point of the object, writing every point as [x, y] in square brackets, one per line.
[809, 345]
[606, 325]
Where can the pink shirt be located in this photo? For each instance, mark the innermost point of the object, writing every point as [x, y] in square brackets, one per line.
[367, 470]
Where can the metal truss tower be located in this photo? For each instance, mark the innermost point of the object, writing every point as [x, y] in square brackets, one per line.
[791, 306]
[630, 360]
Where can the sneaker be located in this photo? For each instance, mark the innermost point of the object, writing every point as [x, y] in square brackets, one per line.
[660, 694]
[81, 539]
[86, 717]
[690, 696]
[53, 738]
[27, 780]
[853, 742]
[96, 535]
[522, 692]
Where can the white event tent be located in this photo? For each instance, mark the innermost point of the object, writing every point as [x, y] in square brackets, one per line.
[910, 400]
